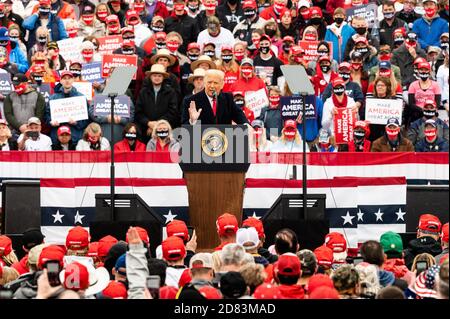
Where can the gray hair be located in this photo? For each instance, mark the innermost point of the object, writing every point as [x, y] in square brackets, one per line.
[213, 72]
[232, 254]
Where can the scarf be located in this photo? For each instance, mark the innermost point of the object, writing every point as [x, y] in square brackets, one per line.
[340, 104]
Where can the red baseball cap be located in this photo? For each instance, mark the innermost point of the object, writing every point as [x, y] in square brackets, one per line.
[160, 35]
[419, 60]
[319, 280]
[193, 45]
[336, 242]
[105, 244]
[44, 2]
[345, 65]
[131, 14]
[226, 47]
[115, 290]
[324, 256]
[267, 291]
[296, 49]
[444, 233]
[64, 130]
[52, 252]
[324, 293]
[78, 271]
[290, 123]
[112, 18]
[93, 249]
[5, 245]
[288, 264]
[265, 37]
[178, 228]
[257, 224]
[143, 235]
[65, 72]
[430, 223]
[361, 40]
[173, 248]
[210, 292]
[324, 58]
[127, 29]
[185, 278]
[402, 31]
[315, 11]
[249, 4]
[430, 102]
[288, 38]
[168, 292]
[424, 65]
[337, 81]
[227, 223]
[77, 238]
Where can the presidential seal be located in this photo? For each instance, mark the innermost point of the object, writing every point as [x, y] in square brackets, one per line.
[214, 143]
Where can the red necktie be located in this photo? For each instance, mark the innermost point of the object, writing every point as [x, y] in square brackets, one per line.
[214, 106]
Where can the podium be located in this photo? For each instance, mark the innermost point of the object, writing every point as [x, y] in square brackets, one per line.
[214, 160]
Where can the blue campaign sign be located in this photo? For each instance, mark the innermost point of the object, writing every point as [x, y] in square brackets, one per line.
[291, 107]
[5, 84]
[46, 90]
[102, 106]
[92, 72]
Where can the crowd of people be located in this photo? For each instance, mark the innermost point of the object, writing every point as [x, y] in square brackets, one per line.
[181, 45]
[241, 267]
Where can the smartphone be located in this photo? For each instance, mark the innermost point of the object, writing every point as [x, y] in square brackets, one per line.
[421, 266]
[153, 285]
[190, 231]
[357, 260]
[53, 273]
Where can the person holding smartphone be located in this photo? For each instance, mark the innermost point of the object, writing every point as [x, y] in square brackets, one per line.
[32, 139]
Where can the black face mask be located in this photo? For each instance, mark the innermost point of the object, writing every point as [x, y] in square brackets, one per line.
[345, 76]
[2, 14]
[264, 50]
[130, 136]
[76, 72]
[338, 20]
[399, 41]
[232, 2]
[193, 57]
[249, 14]
[339, 90]
[227, 58]
[286, 48]
[363, 51]
[157, 29]
[38, 79]
[270, 32]
[13, 38]
[44, 11]
[127, 51]
[192, 8]
[162, 134]
[42, 40]
[429, 114]
[160, 45]
[358, 136]
[321, 53]
[325, 68]
[239, 103]
[389, 15]
[361, 31]
[316, 21]
[210, 53]
[4, 43]
[424, 76]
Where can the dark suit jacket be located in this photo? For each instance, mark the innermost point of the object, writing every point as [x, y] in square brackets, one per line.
[227, 110]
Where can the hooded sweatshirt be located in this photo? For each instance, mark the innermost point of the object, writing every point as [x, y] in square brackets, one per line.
[421, 245]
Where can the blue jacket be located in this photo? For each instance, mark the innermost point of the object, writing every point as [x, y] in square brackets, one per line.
[76, 130]
[313, 125]
[429, 33]
[346, 34]
[16, 56]
[440, 145]
[55, 26]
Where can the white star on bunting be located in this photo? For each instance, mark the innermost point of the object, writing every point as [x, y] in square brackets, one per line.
[58, 217]
[400, 214]
[379, 215]
[78, 218]
[348, 218]
[360, 215]
[254, 215]
[169, 217]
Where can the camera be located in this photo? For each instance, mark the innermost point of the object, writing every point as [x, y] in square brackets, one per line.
[53, 273]
[421, 266]
[32, 134]
[153, 285]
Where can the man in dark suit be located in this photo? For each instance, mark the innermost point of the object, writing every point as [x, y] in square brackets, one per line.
[211, 106]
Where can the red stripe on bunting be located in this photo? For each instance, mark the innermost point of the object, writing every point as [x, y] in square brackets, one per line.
[135, 182]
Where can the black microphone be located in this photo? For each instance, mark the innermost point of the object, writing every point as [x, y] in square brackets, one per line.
[214, 94]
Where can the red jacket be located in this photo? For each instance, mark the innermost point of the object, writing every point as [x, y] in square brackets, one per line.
[366, 146]
[269, 13]
[292, 292]
[123, 146]
[244, 85]
[396, 266]
[229, 80]
[320, 83]
[21, 266]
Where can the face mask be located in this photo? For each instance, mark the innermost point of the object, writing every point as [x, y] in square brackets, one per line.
[324, 146]
[227, 58]
[290, 133]
[305, 15]
[424, 76]
[239, 55]
[270, 32]
[130, 136]
[76, 72]
[192, 8]
[160, 45]
[20, 89]
[264, 50]
[361, 31]
[339, 90]
[239, 103]
[88, 19]
[286, 48]
[338, 20]
[157, 29]
[385, 57]
[385, 73]
[356, 66]
[345, 76]
[4, 43]
[398, 41]
[392, 134]
[42, 40]
[298, 59]
[162, 134]
[44, 11]
[429, 114]
[389, 15]
[139, 7]
[274, 101]
[310, 37]
[102, 16]
[430, 12]
[173, 46]
[179, 7]
[128, 51]
[249, 14]
[210, 8]
[363, 51]
[15, 39]
[322, 53]
[193, 57]
[92, 139]
[410, 44]
[247, 72]
[2, 14]
[358, 135]
[278, 7]
[55, 57]
[38, 79]
[430, 135]
[325, 68]
[210, 53]
[87, 55]
[316, 21]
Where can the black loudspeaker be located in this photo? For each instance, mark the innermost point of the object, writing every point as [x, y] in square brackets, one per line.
[426, 200]
[21, 201]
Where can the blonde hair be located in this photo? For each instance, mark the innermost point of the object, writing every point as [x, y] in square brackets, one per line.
[9, 274]
[213, 72]
[10, 259]
[254, 275]
[92, 128]
[8, 132]
[160, 122]
[310, 29]
[429, 259]
[176, 34]
[44, 30]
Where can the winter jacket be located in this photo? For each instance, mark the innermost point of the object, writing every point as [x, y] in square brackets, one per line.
[373, 42]
[396, 266]
[352, 89]
[174, 146]
[291, 292]
[164, 108]
[243, 30]
[78, 128]
[58, 146]
[247, 85]
[386, 31]
[386, 278]
[339, 43]
[186, 26]
[313, 125]
[137, 271]
[233, 18]
[439, 145]
[272, 120]
[97, 29]
[429, 32]
[63, 10]
[54, 24]
[382, 145]
[421, 245]
[439, 257]
[19, 108]
[403, 59]
[18, 57]
[416, 130]
[124, 146]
